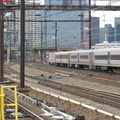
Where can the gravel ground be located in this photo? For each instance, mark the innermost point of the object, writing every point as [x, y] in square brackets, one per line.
[75, 81]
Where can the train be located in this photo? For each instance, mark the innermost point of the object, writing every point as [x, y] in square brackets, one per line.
[107, 59]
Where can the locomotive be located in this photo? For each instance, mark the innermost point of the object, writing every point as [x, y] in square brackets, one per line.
[107, 59]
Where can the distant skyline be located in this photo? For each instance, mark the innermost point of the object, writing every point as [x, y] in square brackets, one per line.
[106, 17]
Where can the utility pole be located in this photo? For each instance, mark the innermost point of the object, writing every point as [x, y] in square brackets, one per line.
[56, 35]
[1, 41]
[22, 44]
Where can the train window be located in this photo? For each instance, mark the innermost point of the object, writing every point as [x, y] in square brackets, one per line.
[115, 57]
[101, 57]
[83, 56]
[74, 57]
[64, 56]
[57, 56]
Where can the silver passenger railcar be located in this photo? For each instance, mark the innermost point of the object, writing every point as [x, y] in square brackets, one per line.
[107, 59]
[62, 58]
[85, 59]
[51, 58]
[81, 59]
[100, 59]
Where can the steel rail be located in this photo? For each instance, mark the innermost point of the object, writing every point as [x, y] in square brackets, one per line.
[102, 97]
[27, 110]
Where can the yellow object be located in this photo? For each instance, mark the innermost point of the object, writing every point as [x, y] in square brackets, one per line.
[2, 104]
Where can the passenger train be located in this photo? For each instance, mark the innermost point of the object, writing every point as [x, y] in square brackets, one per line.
[107, 59]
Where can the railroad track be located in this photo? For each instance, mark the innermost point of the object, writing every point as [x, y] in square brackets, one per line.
[8, 70]
[26, 111]
[100, 96]
[75, 72]
[83, 74]
[34, 109]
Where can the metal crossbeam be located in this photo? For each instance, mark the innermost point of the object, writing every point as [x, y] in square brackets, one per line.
[61, 7]
[49, 20]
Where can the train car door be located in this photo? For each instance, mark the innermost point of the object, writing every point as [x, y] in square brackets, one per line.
[108, 58]
[91, 60]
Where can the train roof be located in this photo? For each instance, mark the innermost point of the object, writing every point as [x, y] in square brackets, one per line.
[107, 49]
[74, 51]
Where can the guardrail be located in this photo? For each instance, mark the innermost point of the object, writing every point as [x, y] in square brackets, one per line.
[2, 104]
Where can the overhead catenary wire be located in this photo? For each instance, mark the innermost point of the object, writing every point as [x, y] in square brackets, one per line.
[64, 12]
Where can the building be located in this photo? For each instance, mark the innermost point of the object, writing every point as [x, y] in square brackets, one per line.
[117, 28]
[32, 29]
[94, 31]
[10, 32]
[67, 2]
[85, 31]
[102, 35]
[107, 33]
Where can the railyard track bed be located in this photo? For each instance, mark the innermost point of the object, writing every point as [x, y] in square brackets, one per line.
[100, 96]
[24, 112]
[74, 91]
[65, 106]
[29, 109]
[75, 72]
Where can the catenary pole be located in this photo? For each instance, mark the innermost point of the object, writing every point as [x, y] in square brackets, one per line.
[22, 43]
[90, 24]
[1, 41]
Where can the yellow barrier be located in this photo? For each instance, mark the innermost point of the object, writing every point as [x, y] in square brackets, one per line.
[2, 104]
